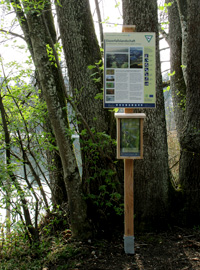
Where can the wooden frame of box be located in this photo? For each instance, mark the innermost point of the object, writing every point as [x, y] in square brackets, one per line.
[130, 135]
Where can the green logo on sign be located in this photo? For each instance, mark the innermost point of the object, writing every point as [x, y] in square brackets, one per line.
[148, 37]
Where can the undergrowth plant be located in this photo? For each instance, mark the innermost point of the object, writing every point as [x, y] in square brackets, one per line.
[102, 186]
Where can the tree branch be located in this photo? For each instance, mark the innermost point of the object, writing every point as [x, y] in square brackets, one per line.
[164, 49]
[12, 33]
[100, 22]
[163, 33]
[23, 22]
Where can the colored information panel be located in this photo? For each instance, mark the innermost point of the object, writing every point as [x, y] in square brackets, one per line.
[129, 70]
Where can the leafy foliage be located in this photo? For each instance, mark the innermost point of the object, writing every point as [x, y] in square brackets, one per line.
[23, 179]
[106, 198]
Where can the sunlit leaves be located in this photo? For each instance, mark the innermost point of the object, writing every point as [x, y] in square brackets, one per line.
[51, 54]
[172, 74]
[165, 7]
[26, 117]
[117, 5]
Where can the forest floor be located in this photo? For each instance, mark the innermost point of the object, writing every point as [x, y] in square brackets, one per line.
[177, 249]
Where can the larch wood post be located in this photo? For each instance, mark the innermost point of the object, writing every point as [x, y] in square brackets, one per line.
[128, 193]
[128, 198]
[128, 188]
[128, 203]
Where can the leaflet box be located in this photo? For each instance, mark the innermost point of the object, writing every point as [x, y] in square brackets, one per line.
[130, 135]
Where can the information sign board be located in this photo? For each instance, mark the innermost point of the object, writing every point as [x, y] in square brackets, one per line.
[129, 70]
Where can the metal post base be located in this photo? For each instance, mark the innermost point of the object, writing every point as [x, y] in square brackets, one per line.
[129, 244]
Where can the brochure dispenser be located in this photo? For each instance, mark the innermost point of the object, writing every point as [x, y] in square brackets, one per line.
[130, 135]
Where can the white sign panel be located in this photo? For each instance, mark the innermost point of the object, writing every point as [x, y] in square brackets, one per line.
[129, 70]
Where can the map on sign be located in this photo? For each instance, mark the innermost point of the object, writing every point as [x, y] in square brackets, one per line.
[129, 70]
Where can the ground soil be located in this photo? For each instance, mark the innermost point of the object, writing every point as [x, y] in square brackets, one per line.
[175, 249]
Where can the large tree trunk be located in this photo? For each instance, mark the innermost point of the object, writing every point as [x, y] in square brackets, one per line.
[56, 175]
[59, 195]
[152, 173]
[55, 169]
[81, 50]
[177, 82]
[52, 84]
[190, 139]
[184, 36]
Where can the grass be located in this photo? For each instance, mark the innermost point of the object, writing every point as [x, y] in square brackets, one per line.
[55, 252]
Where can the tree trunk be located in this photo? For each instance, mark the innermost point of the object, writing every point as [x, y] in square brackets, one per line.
[177, 82]
[54, 96]
[190, 139]
[99, 22]
[59, 195]
[151, 174]
[81, 50]
[56, 175]
[183, 13]
[52, 84]
[32, 231]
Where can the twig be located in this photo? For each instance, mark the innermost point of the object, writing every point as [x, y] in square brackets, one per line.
[12, 33]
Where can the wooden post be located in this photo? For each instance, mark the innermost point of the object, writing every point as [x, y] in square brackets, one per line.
[128, 188]
[128, 203]
[128, 197]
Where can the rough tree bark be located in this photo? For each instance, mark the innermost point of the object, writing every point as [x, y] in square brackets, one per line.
[190, 139]
[184, 36]
[81, 50]
[56, 174]
[59, 195]
[152, 173]
[177, 82]
[52, 84]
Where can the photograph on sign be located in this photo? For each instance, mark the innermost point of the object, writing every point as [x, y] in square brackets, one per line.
[129, 69]
[136, 57]
[129, 137]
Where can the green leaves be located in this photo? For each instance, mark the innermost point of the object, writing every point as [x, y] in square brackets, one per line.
[172, 74]
[99, 96]
[117, 5]
[106, 196]
[106, 20]
[183, 66]
[91, 66]
[50, 53]
[168, 88]
[20, 172]
[97, 75]
[165, 7]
